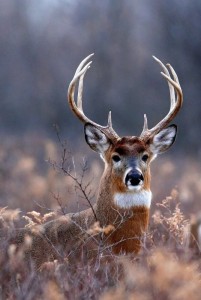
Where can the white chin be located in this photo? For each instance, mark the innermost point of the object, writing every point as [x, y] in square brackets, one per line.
[133, 188]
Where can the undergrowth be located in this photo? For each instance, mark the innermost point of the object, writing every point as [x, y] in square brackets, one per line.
[166, 268]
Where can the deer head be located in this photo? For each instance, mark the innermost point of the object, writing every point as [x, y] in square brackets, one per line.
[127, 159]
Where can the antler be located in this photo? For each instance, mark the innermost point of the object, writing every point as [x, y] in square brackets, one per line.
[175, 104]
[77, 107]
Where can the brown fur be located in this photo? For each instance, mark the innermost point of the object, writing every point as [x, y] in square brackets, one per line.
[129, 146]
[127, 238]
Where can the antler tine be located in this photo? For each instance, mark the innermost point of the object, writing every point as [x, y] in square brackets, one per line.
[174, 74]
[80, 91]
[171, 89]
[77, 107]
[145, 126]
[175, 104]
[80, 87]
[109, 122]
[79, 68]
[71, 92]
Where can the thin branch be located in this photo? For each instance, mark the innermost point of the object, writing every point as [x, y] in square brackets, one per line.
[67, 171]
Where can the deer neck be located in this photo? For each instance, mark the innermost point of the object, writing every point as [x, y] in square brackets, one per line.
[110, 202]
[128, 213]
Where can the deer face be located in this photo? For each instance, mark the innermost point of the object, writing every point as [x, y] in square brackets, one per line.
[128, 159]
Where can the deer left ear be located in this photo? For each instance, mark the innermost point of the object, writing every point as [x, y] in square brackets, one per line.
[163, 140]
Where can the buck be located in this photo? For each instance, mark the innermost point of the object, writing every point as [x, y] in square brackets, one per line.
[124, 195]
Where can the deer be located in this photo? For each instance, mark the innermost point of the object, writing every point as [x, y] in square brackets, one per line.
[124, 194]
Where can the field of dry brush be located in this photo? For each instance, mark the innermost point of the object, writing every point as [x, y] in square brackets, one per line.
[34, 187]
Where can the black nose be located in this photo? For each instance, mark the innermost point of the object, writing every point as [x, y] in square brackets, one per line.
[133, 178]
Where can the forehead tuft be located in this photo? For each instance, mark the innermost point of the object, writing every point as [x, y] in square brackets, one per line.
[129, 146]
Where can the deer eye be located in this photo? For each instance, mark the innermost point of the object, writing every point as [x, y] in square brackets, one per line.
[116, 158]
[145, 157]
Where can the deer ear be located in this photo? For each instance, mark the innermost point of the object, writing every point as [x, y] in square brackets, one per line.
[96, 139]
[164, 139]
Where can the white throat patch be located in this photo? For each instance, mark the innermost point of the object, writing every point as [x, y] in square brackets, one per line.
[128, 200]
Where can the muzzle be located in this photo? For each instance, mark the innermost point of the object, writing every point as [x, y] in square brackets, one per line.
[134, 178]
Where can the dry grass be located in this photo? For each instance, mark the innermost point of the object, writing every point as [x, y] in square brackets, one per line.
[33, 191]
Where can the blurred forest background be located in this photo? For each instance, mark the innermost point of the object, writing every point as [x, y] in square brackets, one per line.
[42, 42]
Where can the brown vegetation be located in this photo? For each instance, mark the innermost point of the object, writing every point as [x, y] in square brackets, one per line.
[166, 268]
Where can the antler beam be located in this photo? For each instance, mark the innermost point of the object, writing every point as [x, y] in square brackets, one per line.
[77, 108]
[175, 104]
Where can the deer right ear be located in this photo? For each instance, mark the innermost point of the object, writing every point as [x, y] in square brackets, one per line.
[96, 139]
